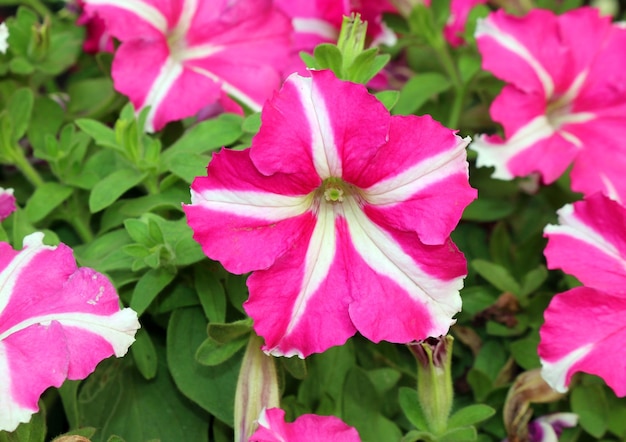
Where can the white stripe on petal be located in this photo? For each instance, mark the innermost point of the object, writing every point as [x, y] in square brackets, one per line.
[319, 257]
[170, 72]
[408, 182]
[316, 26]
[11, 414]
[381, 253]
[570, 225]
[260, 205]
[117, 329]
[200, 51]
[33, 245]
[499, 154]
[323, 148]
[555, 373]
[230, 89]
[141, 9]
[486, 28]
[185, 19]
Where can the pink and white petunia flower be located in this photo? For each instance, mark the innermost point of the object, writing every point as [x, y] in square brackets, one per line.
[565, 98]
[319, 21]
[343, 213]
[306, 428]
[7, 203]
[584, 327]
[179, 56]
[57, 322]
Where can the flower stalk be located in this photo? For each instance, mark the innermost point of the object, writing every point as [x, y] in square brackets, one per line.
[434, 380]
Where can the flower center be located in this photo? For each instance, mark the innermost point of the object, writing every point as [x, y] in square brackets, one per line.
[334, 190]
[557, 111]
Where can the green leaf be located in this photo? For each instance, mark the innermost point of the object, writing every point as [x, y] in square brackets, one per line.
[459, 435]
[148, 288]
[107, 191]
[103, 135]
[211, 293]
[328, 56]
[411, 408]
[118, 400]
[224, 333]
[470, 415]
[590, 404]
[418, 90]
[105, 252]
[187, 166]
[295, 366]
[481, 384]
[204, 137]
[366, 65]
[497, 275]
[20, 108]
[45, 199]
[533, 280]
[213, 353]
[487, 210]
[524, 351]
[46, 119]
[90, 96]
[144, 354]
[212, 388]
[388, 98]
[361, 408]
[32, 431]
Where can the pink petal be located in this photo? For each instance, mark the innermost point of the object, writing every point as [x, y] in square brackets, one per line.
[406, 290]
[300, 304]
[67, 319]
[306, 428]
[7, 203]
[126, 19]
[244, 219]
[315, 126]
[590, 243]
[584, 331]
[529, 60]
[418, 181]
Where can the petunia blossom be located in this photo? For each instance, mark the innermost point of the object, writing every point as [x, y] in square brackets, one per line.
[179, 56]
[7, 203]
[319, 21]
[343, 213]
[565, 98]
[57, 322]
[584, 327]
[306, 428]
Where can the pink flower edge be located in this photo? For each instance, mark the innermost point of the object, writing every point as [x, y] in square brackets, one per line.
[57, 322]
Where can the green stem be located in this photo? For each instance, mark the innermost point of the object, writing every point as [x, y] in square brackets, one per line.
[79, 219]
[38, 6]
[26, 168]
[459, 90]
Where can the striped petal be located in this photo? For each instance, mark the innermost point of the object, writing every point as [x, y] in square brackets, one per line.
[590, 243]
[306, 428]
[418, 181]
[584, 331]
[178, 56]
[407, 291]
[66, 319]
[245, 219]
[300, 304]
[319, 125]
